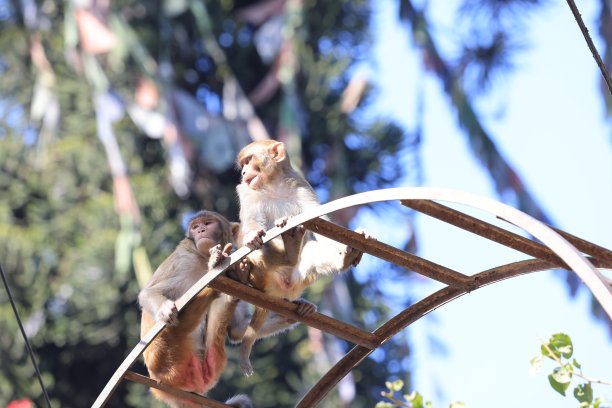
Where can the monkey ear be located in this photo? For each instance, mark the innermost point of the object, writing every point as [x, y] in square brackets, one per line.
[277, 151]
[235, 229]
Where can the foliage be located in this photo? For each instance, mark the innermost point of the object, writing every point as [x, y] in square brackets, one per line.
[412, 400]
[115, 121]
[559, 348]
[118, 118]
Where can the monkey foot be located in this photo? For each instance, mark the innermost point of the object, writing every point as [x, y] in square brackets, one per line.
[304, 307]
[352, 255]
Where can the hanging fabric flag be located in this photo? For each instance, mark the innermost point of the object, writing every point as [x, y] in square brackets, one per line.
[95, 36]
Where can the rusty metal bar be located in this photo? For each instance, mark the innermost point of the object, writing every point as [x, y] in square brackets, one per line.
[413, 313]
[351, 360]
[485, 229]
[288, 309]
[189, 396]
[408, 316]
[388, 253]
[585, 246]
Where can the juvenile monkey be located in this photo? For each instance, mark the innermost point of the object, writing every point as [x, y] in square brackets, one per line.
[270, 192]
[189, 353]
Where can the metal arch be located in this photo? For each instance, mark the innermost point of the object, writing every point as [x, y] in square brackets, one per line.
[413, 313]
[570, 255]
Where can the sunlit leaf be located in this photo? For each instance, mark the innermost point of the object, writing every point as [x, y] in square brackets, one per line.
[563, 343]
[560, 379]
[415, 399]
[584, 393]
[535, 364]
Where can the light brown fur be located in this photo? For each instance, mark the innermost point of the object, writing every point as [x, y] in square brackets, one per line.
[189, 353]
[270, 192]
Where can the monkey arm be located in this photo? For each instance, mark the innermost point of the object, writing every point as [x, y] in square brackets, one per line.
[151, 300]
[250, 336]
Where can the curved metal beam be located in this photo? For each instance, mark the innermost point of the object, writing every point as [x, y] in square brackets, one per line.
[413, 313]
[574, 259]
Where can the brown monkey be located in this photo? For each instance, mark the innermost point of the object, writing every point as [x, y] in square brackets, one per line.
[270, 192]
[189, 353]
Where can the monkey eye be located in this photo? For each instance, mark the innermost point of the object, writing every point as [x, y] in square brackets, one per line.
[246, 160]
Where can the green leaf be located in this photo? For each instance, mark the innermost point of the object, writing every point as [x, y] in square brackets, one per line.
[560, 379]
[563, 343]
[576, 364]
[536, 364]
[552, 353]
[584, 393]
[415, 399]
[383, 404]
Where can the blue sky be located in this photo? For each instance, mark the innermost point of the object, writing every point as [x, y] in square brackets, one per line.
[548, 120]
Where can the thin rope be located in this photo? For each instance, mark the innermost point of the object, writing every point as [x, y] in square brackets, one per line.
[23, 333]
[587, 37]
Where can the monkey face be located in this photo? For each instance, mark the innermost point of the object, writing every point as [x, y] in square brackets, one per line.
[206, 232]
[252, 176]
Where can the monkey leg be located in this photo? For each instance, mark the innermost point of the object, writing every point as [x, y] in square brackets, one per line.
[293, 241]
[240, 322]
[219, 321]
[274, 324]
[170, 356]
[250, 336]
[240, 401]
[193, 314]
[193, 372]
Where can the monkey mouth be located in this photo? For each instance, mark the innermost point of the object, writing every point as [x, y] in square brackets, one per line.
[252, 181]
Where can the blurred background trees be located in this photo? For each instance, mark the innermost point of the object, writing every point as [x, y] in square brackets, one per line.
[119, 118]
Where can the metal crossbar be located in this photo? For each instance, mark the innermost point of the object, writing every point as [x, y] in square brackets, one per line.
[553, 249]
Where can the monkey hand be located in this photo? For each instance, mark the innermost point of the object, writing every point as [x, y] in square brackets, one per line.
[304, 307]
[353, 256]
[241, 272]
[254, 238]
[217, 255]
[281, 222]
[167, 313]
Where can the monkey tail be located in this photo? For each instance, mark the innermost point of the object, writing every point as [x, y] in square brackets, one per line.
[240, 401]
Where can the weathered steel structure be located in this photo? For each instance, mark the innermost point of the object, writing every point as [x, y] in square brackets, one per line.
[549, 249]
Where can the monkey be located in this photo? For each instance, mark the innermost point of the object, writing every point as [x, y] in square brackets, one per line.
[189, 353]
[270, 192]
